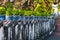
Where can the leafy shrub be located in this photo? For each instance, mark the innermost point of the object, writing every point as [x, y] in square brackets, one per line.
[9, 5]
[9, 12]
[2, 10]
[21, 12]
[15, 12]
[40, 10]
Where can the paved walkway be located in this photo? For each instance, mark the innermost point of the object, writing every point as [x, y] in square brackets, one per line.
[56, 35]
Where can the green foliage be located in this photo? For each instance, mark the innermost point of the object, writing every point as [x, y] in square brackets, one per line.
[9, 9]
[9, 5]
[9, 12]
[59, 7]
[21, 12]
[40, 1]
[41, 9]
[16, 12]
[2, 10]
[27, 13]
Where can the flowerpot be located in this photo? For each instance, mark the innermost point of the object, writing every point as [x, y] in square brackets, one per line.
[9, 18]
[15, 17]
[22, 18]
[26, 18]
[2, 17]
[31, 18]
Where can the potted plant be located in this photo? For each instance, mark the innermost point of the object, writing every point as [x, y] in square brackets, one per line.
[21, 12]
[2, 13]
[16, 14]
[9, 11]
[9, 14]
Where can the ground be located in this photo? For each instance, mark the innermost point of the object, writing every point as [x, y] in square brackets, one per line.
[56, 35]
